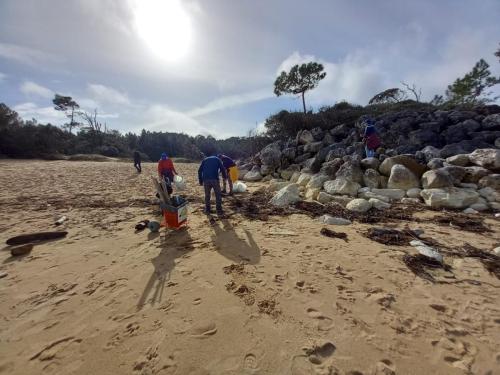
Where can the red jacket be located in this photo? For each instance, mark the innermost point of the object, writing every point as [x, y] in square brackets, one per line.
[166, 166]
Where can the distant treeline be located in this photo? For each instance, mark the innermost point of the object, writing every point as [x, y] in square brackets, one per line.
[28, 139]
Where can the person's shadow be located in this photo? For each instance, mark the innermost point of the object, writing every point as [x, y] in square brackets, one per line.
[173, 244]
[234, 248]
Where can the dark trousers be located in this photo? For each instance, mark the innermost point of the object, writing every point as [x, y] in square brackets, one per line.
[137, 165]
[209, 185]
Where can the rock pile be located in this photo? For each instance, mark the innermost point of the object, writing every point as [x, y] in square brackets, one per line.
[444, 158]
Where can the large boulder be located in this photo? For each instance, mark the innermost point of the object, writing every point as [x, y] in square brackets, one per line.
[402, 178]
[435, 163]
[490, 194]
[304, 137]
[267, 169]
[316, 181]
[313, 147]
[456, 173]
[271, 155]
[462, 160]
[459, 116]
[289, 153]
[324, 197]
[474, 174]
[449, 197]
[491, 122]
[430, 152]
[330, 168]
[415, 192]
[287, 173]
[406, 160]
[379, 204]
[491, 181]
[359, 205]
[253, 175]
[304, 179]
[372, 163]
[311, 194]
[457, 133]
[488, 158]
[286, 196]
[335, 153]
[350, 170]
[420, 137]
[275, 185]
[393, 194]
[317, 134]
[435, 179]
[371, 178]
[342, 186]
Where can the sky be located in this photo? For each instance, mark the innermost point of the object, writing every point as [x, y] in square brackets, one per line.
[208, 66]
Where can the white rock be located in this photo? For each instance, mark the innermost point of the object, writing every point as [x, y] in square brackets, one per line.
[327, 219]
[449, 198]
[295, 177]
[304, 179]
[286, 196]
[253, 175]
[430, 253]
[316, 181]
[410, 200]
[435, 179]
[394, 194]
[378, 204]
[402, 178]
[461, 160]
[496, 250]
[311, 194]
[413, 193]
[369, 195]
[342, 186]
[359, 205]
[416, 243]
[275, 185]
[488, 158]
[470, 211]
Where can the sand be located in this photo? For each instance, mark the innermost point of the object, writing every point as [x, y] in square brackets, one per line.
[235, 296]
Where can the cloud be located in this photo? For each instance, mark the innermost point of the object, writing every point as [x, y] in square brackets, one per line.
[162, 118]
[105, 94]
[2, 76]
[30, 88]
[30, 110]
[231, 101]
[27, 55]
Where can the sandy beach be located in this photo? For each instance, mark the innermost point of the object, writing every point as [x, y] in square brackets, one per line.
[232, 296]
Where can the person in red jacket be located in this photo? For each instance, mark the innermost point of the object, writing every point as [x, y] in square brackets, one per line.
[166, 171]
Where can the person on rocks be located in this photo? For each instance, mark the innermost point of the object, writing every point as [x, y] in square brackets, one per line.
[166, 171]
[231, 173]
[137, 161]
[208, 176]
[370, 139]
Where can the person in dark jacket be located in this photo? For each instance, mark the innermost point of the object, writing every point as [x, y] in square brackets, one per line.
[370, 139]
[137, 161]
[208, 176]
[231, 172]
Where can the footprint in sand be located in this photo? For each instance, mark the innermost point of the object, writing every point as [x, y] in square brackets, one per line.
[250, 362]
[384, 367]
[197, 301]
[203, 330]
[320, 352]
[324, 322]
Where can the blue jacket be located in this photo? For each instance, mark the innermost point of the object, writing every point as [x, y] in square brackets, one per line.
[210, 168]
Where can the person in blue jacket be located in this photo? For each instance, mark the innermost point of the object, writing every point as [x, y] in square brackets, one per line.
[208, 176]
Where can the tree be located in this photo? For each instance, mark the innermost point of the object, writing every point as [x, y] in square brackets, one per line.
[299, 79]
[67, 105]
[471, 88]
[393, 95]
[413, 89]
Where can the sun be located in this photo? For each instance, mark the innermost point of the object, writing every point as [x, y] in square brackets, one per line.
[164, 26]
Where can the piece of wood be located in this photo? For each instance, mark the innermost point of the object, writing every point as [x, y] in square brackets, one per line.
[35, 237]
[160, 191]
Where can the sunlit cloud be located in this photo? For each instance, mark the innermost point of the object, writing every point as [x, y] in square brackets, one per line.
[43, 115]
[105, 94]
[26, 55]
[30, 88]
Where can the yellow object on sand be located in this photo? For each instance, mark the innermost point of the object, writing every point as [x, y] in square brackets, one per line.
[233, 173]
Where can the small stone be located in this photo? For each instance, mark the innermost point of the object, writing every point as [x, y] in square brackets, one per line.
[430, 253]
[359, 205]
[3, 274]
[496, 250]
[21, 250]
[327, 219]
[410, 201]
[379, 204]
[470, 211]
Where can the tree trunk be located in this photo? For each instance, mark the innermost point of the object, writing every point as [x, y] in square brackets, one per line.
[72, 117]
[303, 102]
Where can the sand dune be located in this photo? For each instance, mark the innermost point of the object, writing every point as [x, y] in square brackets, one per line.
[235, 296]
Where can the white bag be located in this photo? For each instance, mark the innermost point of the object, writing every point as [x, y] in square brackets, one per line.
[239, 187]
[179, 183]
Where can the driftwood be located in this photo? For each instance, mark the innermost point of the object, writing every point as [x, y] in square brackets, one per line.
[35, 237]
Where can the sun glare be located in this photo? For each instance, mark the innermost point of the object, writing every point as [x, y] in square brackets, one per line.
[164, 26]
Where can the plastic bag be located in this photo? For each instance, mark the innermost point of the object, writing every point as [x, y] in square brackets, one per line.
[239, 187]
[179, 183]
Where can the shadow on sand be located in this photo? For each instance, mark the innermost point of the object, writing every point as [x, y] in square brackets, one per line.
[173, 244]
[233, 247]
